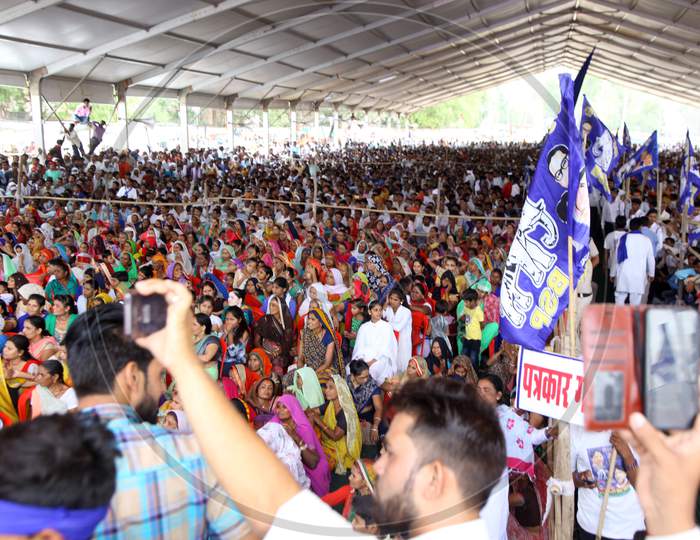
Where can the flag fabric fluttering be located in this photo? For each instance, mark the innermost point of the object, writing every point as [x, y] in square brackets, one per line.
[626, 139]
[581, 75]
[689, 177]
[8, 266]
[646, 158]
[603, 151]
[535, 287]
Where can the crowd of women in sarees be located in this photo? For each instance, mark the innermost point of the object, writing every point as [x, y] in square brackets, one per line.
[308, 325]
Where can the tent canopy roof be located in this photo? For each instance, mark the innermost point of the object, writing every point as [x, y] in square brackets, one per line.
[393, 55]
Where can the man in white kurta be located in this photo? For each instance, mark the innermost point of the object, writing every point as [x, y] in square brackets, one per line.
[635, 265]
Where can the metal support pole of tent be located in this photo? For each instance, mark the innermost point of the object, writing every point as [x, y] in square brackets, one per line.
[336, 125]
[230, 119]
[122, 113]
[293, 122]
[184, 123]
[317, 120]
[266, 127]
[34, 81]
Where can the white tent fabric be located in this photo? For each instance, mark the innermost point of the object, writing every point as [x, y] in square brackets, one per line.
[391, 55]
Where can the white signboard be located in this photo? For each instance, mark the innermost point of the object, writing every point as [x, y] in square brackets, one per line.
[551, 385]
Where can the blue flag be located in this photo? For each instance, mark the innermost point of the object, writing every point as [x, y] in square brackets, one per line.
[603, 151]
[690, 177]
[535, 287]
[626, 139]
[644, 159]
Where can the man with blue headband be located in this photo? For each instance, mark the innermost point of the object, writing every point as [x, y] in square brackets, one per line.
[57, 477]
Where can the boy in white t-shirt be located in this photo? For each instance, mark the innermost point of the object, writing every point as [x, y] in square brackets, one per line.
[590, 462]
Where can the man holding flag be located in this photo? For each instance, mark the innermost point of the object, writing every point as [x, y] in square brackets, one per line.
[538, 271]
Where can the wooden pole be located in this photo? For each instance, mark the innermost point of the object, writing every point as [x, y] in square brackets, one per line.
[315, 201]
[684, 248]
[606, 494]
[659, 193]
[563, 521]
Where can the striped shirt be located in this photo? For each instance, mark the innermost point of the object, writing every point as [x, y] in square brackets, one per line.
[165, 489]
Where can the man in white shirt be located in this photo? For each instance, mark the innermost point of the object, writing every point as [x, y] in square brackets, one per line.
[584, 289]
[590, 462]
[128, 191]
[610, 244]
[613, 209]
[636, 265]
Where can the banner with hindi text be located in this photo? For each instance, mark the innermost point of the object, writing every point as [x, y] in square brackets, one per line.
[551, 385]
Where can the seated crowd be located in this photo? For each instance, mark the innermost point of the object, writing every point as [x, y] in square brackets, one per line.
[309, 318]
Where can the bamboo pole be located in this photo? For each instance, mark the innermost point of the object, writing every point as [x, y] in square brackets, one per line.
[606, 494]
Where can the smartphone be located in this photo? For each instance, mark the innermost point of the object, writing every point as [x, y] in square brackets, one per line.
[144, 315]
[670, 374]
[611, 387]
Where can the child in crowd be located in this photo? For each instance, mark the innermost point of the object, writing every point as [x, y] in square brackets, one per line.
[440, 323]
[206, 306]
[358, 317]
[473, 317]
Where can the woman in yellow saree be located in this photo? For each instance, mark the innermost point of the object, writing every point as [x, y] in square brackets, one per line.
[341, 437]
[6, 406]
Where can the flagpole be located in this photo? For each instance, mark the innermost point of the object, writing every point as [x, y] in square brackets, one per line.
[659, 193]
[564, 508]
[684, 246]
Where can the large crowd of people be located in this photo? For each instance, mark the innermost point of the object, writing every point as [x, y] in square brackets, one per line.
[337, 300]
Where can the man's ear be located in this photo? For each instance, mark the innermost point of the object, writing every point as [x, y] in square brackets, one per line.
[129, 381]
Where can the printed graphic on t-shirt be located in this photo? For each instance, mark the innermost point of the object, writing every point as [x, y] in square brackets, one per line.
[599, 459]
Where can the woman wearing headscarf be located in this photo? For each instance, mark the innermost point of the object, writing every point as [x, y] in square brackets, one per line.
[318, 346]
[127, 264]
[358, 254]
[475, 272]
[275, 333]
[417, 369]
[317, 292]
[279, 441]
[307, 389]
[462, 370]
[179, 253]
[340, 427]
[335, 288]
[381, 283]
[289, 413]
[262, 399]
[224, 262]
[360, 483]
[257, 367]
[176, 272]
